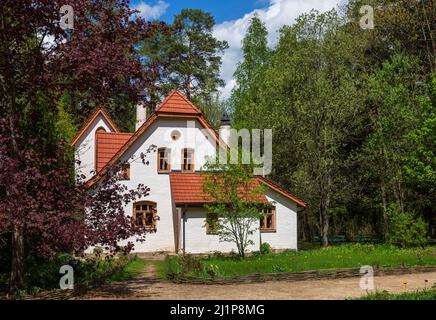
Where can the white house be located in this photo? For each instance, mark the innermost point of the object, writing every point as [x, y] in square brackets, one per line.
[174, 207]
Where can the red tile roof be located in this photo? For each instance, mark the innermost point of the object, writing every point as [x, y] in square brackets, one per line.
[187, 188]
[176, 102]
[107, 145]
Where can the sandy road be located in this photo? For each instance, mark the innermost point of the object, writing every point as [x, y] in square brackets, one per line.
[149, 288]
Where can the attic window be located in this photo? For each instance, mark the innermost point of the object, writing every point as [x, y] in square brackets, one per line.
[188, 160]
[175, 135]
[163, 160]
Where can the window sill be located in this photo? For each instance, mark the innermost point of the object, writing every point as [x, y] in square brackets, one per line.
[268, 230]
[164, 172]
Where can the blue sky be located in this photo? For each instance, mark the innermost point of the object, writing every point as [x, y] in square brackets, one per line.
[232, 20]
[222, 10]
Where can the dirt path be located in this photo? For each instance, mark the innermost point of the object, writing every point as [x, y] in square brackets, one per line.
[147, 286]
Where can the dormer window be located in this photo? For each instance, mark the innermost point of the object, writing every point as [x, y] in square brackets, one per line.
[163, 160]
[188, 160]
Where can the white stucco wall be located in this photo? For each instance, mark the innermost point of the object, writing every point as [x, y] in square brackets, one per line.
[85, 148]
[159, 134]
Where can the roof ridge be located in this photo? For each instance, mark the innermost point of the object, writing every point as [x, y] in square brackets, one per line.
[181, 95]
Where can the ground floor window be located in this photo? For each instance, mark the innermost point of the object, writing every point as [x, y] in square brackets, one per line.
[144, 214]
[268, 220]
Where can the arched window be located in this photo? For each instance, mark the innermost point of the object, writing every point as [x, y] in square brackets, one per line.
[99, 130]
[144, 214]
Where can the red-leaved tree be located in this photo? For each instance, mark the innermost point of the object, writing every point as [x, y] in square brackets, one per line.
[38, 196]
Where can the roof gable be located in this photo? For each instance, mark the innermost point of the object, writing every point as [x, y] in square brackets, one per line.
[176, 102]
[101, 111]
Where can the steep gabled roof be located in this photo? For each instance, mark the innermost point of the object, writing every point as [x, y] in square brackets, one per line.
[176, 102]
[100, 111]
[107, 145]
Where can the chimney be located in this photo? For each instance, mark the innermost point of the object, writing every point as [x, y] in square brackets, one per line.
[141, 115]
[225, 128]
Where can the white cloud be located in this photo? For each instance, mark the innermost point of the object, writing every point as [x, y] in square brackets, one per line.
[277, 14]
[150, 12]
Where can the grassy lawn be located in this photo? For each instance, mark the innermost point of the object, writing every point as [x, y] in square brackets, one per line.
[335, 257]
[132, 269]
[429, 294]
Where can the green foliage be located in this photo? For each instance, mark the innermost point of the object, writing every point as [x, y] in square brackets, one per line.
[188, 59]
[256, 56]
[425, 294]
[333, 257]
[235, 199]
[420, 164]
[64, 121]
[43, 274]
[405, 228]
[352, 115]
[265, 248]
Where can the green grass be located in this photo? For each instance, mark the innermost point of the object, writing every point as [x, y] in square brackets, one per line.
[335, 257]
[132, 269]
[428, 294]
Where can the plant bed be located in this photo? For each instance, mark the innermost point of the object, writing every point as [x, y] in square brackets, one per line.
[277, 265]
[90, 274]
[300, 276]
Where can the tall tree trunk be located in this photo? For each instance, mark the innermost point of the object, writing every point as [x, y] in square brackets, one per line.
[17, 266]
[323, 213]
[384, 205]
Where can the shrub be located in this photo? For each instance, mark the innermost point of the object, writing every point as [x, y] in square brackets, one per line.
[405, 228]
[265, 248]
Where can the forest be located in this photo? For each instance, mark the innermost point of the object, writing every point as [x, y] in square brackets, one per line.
[352, 112]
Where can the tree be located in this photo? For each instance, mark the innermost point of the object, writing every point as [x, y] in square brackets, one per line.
[34, 74]
[400, 25]
[405, 228]
[44, 208]
[395, 109]
[256, 55]
[310, 96]
[234, 202]
[196, 60]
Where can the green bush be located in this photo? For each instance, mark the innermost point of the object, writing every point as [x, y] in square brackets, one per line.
[265, 248]
[405, 228]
